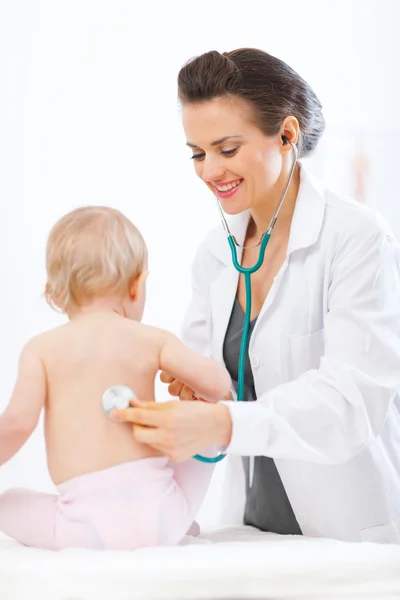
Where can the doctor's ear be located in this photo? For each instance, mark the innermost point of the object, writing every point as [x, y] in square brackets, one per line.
[290, 131]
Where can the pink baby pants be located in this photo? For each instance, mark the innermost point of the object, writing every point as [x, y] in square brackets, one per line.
[148, 502]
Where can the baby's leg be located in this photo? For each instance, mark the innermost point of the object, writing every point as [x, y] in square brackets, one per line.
[28, 517]
[193, 479]
[33, 519]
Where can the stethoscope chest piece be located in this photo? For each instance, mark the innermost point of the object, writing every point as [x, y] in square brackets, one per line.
[116, 397]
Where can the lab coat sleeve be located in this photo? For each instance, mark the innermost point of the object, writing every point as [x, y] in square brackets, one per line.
[196, 327]
[328, 415]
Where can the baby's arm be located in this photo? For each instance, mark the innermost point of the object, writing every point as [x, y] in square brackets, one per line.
[206, 376]
[21, 416]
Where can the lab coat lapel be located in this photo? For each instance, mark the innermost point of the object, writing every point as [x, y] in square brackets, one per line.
[304, 231]
[308, 214]
[223, 292]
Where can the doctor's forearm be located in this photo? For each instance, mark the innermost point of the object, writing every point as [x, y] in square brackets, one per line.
[308, 419]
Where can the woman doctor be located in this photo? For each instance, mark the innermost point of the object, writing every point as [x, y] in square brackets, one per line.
[318, 451]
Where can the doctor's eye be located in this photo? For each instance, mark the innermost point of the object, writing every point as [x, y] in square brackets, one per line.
[227, 153]
[230, 152]
[199, 156]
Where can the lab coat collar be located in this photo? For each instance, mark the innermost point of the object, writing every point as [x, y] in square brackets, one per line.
[306, 224]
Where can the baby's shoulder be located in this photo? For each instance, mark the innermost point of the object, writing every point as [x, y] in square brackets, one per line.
[45, 343]
[147, 333]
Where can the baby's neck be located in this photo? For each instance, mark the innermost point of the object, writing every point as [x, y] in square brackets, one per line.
[103, 306]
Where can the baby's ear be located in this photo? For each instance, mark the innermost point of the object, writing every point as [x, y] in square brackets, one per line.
[137, 285]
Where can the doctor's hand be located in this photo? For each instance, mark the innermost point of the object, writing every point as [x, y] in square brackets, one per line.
[178, 429]
[178, 389]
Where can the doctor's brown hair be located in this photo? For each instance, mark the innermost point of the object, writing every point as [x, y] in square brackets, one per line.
[269, 86]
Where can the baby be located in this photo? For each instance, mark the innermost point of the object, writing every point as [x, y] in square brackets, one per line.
[113, 493]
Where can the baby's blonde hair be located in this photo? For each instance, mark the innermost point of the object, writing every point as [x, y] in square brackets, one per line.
[92, 252]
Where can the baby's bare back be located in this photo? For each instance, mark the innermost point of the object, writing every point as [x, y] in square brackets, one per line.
[82, 360]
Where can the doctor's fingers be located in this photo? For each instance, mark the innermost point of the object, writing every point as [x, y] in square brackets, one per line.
[162, 440]
[187, 393]
[175, 387]
[140, 416]
[150, 436]
[166, 377]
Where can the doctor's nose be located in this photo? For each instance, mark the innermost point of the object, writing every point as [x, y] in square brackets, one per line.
[212, 170]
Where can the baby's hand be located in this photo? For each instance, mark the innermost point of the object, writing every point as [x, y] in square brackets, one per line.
[184, 392]
[177, 388]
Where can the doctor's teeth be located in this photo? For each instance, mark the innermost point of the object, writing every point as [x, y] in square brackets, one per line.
[226, 188]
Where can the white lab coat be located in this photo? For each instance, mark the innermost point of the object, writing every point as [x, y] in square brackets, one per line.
[325, 353]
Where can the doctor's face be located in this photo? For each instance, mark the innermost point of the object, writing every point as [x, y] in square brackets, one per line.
[236, 160]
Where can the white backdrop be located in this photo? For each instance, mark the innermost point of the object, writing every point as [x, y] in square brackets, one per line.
[88, 115]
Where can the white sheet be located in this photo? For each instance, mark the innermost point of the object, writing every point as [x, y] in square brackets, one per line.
[236, 563]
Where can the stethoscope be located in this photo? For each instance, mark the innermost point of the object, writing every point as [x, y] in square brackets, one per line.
[118, 397]
[247, 272]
